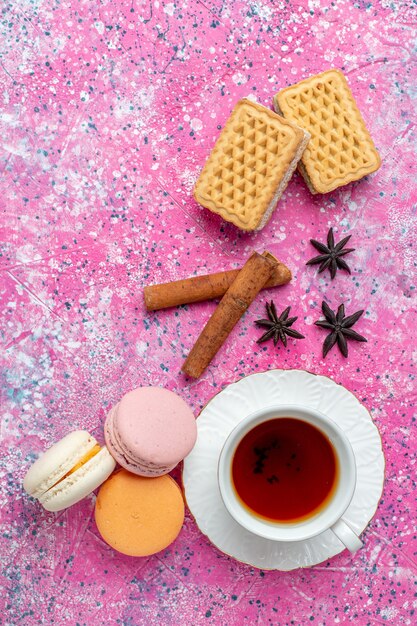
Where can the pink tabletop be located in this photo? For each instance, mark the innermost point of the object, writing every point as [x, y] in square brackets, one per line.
[108, 111]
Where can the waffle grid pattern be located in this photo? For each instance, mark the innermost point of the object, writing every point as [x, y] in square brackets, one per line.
[247, 164]
[340, 149]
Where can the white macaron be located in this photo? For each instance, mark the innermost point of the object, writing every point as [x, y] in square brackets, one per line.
[68, 471]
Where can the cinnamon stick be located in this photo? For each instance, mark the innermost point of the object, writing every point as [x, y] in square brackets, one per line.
[200, 288]
[248, 283]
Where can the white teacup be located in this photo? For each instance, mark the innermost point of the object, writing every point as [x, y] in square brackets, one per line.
[330, 516]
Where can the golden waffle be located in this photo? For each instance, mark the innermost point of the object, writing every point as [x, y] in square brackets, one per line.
[341, 149]
[250, 165]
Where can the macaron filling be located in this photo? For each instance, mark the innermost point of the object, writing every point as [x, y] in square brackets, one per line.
[87, 456]
[79, 483]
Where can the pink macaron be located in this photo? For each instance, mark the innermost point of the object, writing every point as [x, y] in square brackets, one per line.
[150, 431]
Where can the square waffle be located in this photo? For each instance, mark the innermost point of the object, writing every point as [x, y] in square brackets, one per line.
[250, 165]
[340, 150]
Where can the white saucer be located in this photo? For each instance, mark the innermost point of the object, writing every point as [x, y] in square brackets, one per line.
[221, 415]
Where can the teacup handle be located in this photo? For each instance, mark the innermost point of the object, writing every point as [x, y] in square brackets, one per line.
[347, 536]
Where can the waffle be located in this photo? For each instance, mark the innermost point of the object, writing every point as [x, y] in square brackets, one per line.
[340, 150]
[250, 165]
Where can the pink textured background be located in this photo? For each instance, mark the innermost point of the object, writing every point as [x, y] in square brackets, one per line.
[108, 111]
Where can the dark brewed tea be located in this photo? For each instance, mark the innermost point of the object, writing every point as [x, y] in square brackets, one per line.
[284, 470]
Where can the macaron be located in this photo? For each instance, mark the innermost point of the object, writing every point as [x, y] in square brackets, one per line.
[68, 471]
[150, 431]
[139, 516]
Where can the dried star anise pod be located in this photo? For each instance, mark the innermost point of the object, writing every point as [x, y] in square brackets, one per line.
[340, 327]
[278, 327]
[331, 254]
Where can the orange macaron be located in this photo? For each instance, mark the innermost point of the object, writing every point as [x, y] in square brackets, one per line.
[139, 516]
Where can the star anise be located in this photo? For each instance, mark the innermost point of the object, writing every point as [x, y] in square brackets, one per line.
[331, 254]
[278, 327]
[340, 326]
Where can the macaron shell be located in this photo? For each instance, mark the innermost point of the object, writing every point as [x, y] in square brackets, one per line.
[57, 461]
[118, 451]
[139, 516]
[80, 483]
[154, 425]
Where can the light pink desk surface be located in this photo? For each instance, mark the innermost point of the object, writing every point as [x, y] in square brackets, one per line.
[108, 111]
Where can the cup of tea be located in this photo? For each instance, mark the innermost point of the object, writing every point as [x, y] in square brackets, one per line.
[288, 473]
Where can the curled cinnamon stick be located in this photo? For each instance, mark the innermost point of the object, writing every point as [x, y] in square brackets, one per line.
[200, 288]
[248, 283]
